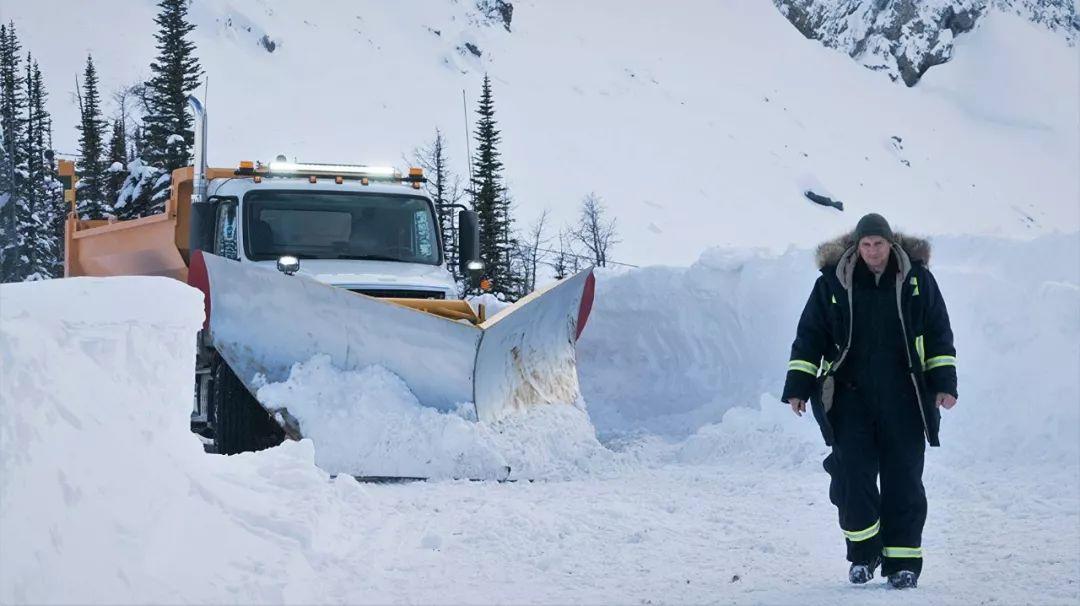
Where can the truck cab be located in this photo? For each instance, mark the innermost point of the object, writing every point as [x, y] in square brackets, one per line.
[375, 237]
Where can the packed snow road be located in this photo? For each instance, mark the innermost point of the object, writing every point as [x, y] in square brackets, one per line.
[673, 535]
[713, 493]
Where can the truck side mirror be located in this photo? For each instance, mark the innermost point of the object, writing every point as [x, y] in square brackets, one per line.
[203, 232]
[469, 246]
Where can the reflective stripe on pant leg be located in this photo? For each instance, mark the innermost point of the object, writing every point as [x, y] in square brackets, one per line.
[862, 535]
[902, 552]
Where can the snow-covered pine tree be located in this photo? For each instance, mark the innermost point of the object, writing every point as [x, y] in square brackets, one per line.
[445, 190]
[491, 200]
[176, 74]
[42, 216]
[7, 203]
[12, 168]
[167, 134]
[93, 201]
[116, 161]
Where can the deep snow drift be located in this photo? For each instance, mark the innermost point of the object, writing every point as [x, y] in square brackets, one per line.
[105, 496]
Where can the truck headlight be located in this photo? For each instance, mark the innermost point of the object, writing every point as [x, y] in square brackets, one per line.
[288, 265]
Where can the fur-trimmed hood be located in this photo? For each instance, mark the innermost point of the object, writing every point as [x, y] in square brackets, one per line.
[829, 252]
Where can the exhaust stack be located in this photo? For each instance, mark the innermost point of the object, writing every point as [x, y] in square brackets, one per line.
[201, 214]
[198, 193]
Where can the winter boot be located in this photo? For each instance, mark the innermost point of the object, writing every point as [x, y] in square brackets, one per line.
[903, 579]
[861, 573]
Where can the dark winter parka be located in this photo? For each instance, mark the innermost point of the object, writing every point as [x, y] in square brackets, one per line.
[824, 334]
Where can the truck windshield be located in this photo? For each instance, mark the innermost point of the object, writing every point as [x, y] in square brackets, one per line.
[317, 225]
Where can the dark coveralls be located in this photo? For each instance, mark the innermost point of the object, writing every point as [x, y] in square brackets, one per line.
[885, 346]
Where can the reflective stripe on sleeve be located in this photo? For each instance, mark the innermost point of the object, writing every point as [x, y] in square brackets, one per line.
[862, 535]
[804, 366]
[902, 552]
[938, 361]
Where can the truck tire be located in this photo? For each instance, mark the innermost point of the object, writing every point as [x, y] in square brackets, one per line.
[241, 424]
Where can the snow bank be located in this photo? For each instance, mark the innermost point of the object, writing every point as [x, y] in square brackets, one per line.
[670, 351]
[93, 394]
[368, 423]
[105, 494]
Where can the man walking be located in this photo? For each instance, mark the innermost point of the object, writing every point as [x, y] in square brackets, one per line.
[874, 357]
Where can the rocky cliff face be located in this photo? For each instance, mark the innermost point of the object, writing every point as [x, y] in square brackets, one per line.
[496, 11]
[904, 38]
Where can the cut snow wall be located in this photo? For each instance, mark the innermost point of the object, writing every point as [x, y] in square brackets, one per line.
[105, 494]
[74, 448]
[669, 350]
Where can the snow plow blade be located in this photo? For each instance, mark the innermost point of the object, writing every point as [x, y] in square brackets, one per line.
[262, 322]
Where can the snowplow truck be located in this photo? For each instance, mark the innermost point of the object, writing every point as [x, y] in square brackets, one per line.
[298, 260]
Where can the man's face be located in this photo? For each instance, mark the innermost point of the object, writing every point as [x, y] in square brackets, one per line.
[874, 251]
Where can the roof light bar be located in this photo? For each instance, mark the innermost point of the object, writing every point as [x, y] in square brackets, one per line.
[333, 170]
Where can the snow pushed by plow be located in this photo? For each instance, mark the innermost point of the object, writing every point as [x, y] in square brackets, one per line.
[367, 423]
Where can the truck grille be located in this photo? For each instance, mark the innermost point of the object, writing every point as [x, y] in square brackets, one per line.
[400, 294]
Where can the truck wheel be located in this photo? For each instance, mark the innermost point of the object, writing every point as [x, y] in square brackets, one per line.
[241, 424]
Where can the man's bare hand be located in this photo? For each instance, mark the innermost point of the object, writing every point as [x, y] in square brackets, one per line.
[797, 406]
[945, 401]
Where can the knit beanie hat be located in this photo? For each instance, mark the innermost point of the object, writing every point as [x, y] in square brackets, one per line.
[873, 225]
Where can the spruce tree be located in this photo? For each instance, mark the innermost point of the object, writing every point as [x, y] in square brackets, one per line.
[12, 168]
[491, 201]
[41, 220]
[7, 203]
[117, 160]
[93, 202]
[167, 134]
[176, 73]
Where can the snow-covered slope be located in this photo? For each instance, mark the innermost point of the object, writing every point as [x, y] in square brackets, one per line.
[106, 497]
[699, 126]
